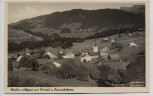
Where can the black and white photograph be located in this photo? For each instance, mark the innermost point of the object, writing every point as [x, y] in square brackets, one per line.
[74, 44]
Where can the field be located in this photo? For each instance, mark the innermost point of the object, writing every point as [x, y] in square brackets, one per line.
[52, 81]
[20, 36]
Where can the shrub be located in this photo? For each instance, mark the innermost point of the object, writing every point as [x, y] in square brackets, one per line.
[40, 53]
[46, 56]
[117, 46]
[95, 74]
[125, 76]
[32, 52]
[23, 62]
[33, 63]
[25, 81]
[114, 77]
[48, 68]
[69, 69]
[83, 73]
[28, 62]
[66, 30]
[104, 71]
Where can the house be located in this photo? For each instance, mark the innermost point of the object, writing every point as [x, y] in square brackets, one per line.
[112, 41]
[69, 55]
[94, 55]
[57, 64]
[78, 54]
[133, 44]
[105, 50]
[114, 56]
[105, 39]
[104, 55]
[86, 58]
[19, 58]
[50, 55]
[130, 34]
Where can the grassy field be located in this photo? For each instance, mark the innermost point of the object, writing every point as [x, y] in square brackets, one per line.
[20, 36]
[41, 77]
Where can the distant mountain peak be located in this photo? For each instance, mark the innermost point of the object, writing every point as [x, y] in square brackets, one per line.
[137, 9]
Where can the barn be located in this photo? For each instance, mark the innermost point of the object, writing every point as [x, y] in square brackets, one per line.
[114, 56]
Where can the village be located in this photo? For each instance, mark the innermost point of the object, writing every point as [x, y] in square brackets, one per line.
[115, 51]
[85, 54]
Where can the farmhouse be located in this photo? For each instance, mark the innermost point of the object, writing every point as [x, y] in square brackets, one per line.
[57, 64]
[105, 50]
[50, 55]
[130, 34]
[104, 55]
[105, 39]
[112, 41]
[86, 58]
[19, 58]
[94, 55]
[133, 44]
[68, 55]
[114, 56]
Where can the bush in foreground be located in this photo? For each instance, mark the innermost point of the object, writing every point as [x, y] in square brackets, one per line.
[48, 68]
[20, 81]
[69, 69]
[83, 73]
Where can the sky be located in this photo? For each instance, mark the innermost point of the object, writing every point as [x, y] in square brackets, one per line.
[20, 11]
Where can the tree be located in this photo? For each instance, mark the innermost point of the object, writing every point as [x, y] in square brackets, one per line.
[69, 69]
[66, 30]
[40, 53]
[67, 45]
[104, 71]
[136, 69]
[83, 73]
[95, 74]
[114, 77]
[117, 46]
[48, 68]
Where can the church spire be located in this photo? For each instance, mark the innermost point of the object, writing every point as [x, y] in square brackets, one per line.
[95, 43]
[95, 47]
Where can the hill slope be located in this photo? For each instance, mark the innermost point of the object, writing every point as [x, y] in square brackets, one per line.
[82, 22]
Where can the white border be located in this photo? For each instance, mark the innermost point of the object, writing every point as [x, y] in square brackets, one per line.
[2, 60]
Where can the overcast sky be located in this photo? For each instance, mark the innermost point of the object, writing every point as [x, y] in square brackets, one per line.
[20, 11]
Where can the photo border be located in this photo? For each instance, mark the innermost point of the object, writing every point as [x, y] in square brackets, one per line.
[83, 89]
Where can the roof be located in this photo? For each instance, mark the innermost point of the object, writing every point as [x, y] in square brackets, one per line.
[93, 53]
[103, 53]
[51, 55]
[85, 55]
[115, 56]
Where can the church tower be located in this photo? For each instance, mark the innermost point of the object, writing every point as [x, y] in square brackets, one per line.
[95, 47]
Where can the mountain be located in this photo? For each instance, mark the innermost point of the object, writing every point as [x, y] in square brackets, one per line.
[137, 9]
[80, 23]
